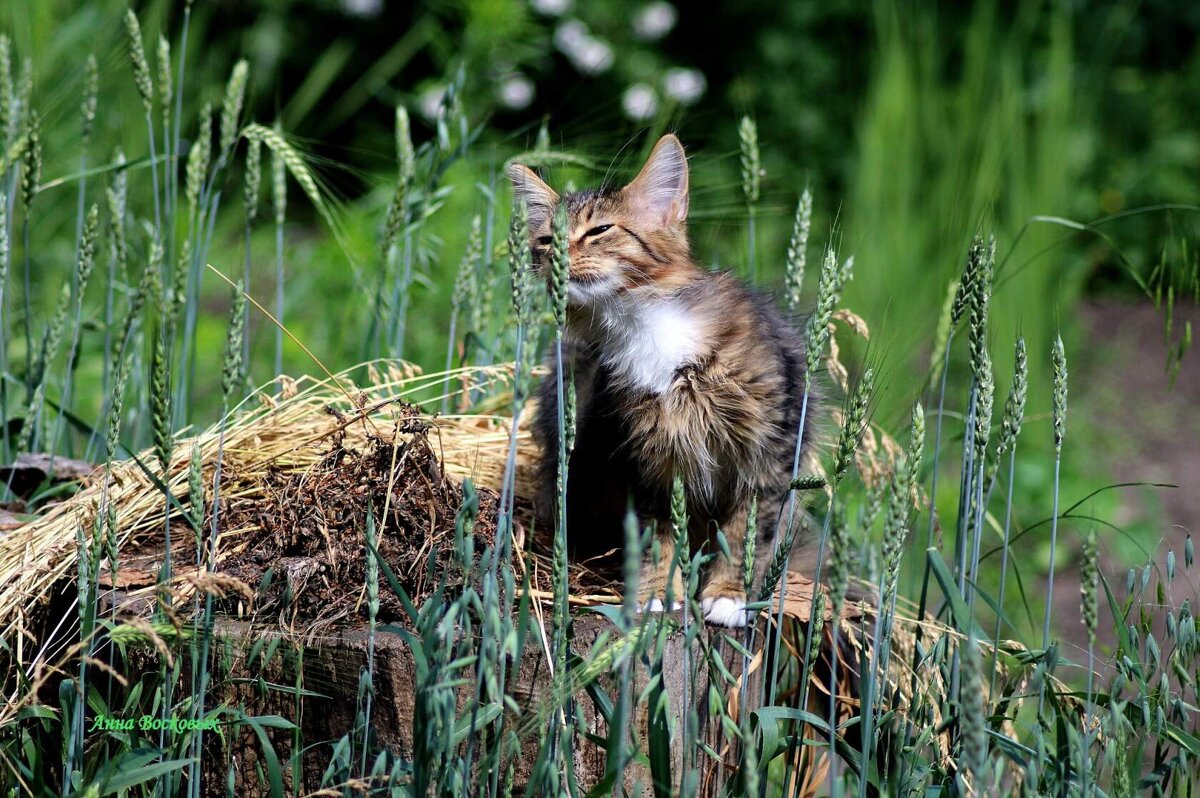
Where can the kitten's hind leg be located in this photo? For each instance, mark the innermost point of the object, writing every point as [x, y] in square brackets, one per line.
[723, 597]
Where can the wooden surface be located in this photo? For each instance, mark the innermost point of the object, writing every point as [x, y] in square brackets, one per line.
[257, 668]
[332, 667]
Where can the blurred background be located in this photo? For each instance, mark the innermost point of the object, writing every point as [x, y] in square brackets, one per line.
[1069, 130]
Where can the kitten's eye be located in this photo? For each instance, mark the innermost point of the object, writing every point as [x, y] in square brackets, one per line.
[544, 241]
[595, 231]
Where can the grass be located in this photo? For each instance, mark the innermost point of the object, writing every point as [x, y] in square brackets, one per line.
[122, 353]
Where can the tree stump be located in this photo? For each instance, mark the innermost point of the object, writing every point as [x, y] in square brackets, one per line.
[259, 671]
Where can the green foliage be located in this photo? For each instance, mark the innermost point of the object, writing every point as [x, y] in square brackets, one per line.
[936, 158]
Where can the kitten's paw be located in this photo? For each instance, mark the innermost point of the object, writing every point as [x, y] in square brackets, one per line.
[656, 605]
[726, 611]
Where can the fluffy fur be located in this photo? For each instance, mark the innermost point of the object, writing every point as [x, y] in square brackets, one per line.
[677, 370]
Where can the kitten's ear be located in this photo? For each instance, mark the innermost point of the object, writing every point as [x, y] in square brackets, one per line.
[660, 191]
[539, 198]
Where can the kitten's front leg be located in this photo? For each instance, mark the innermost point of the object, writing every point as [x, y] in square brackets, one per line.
[656, 574]
[723, 598]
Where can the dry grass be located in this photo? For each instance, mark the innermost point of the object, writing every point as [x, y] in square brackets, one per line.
[289, 433]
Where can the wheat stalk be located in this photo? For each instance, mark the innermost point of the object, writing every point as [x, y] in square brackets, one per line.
[751, 162]
[8, 128]
[231, 107]
[198, 160]
[253, 180]
[91, 88]
[141, 68]
[1059, 414]
[274, 140]
[797, 251]
[31, 177]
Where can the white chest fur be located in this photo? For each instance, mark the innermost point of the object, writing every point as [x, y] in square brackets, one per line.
[644, 344]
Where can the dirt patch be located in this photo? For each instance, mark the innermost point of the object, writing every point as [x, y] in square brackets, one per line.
[1145, 429]
[1155, 425]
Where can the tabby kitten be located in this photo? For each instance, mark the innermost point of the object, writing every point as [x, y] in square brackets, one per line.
[677, 370]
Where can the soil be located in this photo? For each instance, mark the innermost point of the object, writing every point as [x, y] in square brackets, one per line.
[1129, 389]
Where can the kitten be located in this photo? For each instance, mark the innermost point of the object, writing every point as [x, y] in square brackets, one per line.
[677, 370]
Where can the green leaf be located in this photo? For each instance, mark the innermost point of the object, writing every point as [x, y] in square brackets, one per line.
[128, 776]
[485, 715]
[259, 725]
[769, 721]
[42, 712]
[958, 608]
[658, 732]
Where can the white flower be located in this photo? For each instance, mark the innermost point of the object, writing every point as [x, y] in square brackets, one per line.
[515, 92]
[569, 35]
[639, 101]
[589, 54]
[654, 20]
[593, 56]
[362, 8]
[430, 101]
[684, 85]
[551, 8]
